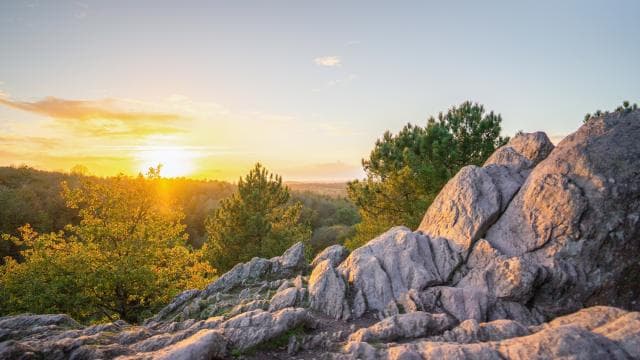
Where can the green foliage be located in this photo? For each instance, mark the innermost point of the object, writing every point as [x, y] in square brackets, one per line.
[332, 219]
[34, 197]
[407, 170]
[330, 235]
[257, 220]
[125, 258]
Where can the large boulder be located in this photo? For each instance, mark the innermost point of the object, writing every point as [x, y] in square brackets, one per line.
[386, 268]
[577, 216]
[328, 291]
[476, 196]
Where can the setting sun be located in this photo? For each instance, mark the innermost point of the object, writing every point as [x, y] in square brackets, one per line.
[175, 161]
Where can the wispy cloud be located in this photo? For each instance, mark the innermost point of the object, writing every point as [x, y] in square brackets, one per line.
[105, 117]
[41, 143]
[336, 83]
[342, 81]
[328, 61]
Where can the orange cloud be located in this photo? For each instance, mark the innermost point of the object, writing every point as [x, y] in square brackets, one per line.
[106, 117]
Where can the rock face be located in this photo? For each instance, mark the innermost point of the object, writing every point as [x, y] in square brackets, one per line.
[592, 337]
[476, 196]
[513, 260]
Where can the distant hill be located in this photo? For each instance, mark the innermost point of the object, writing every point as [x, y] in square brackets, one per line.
[338, 189]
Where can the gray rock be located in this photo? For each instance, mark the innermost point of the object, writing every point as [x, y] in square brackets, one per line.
[592, 334]
[464, 209]
[254, 327]
[577, 215]
[327, 291]
[204, 345]
[389, 266]
[476, 196]
[405, 326]
[283, 299]
[534, 146]
[292, 259]
[20, 322]
[335, 253]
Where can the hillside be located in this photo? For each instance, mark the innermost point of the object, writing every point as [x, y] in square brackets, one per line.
[533, 255]
[338, 189]
[31, 196]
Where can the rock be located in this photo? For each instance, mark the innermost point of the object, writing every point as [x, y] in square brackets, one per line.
[476, 196]
[582, 336]
[327, 291]
[405, 326]
[251, 273]
[470, 331]
[388, 266]
[465, 208]
[533, 146]
[460, 303]
[254, 327]
[577, 215]
[204, 345]
[283, 299]
[176, 304]
[249, 306]
[292, 259]
[624, 332]
[20, 322]
[509, 157]
[335, 253]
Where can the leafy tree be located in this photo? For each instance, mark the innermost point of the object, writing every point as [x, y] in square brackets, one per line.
[30, 196]
[124, 259]
[257, 220]
[406, 171]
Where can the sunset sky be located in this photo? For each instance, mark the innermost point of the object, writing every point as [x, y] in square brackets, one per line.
[208, 88]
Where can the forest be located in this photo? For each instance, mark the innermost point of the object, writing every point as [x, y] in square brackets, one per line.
[107, 248]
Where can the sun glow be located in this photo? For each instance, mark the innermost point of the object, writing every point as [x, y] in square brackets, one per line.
[175, 161]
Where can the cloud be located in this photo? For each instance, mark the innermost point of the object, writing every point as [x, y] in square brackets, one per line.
[42, 143]
[106, 117]
[343, 81]
[336, 83]
[328, 61]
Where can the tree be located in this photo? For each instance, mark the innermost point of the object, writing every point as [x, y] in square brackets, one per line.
[257, 220]
[125, 259]
[406, 171]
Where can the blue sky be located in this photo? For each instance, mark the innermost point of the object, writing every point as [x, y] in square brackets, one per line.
[304, 87]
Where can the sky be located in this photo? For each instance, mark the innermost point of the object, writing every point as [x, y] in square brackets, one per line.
[208, 88]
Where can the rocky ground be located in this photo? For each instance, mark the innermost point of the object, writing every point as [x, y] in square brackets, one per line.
[534, 255]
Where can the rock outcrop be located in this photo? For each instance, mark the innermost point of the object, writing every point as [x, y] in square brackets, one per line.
[534, 255]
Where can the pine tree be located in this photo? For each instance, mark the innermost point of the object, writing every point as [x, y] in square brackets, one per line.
[257, 220]
[407, 170]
